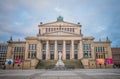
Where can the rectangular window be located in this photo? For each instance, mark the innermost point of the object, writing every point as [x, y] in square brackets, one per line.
[0, 48]
[67, 54]
[17, 49]
[33, 54]
[73, 29]
[85, 54]
[23, 49]
[70, 29]
[51, 47]
[54, 29]
[46, 30]
[87, 46]
[49, 30]
[96, 55]
[67, 46]
[75, 55]
[75, 46]
[44, 47]
[51, 55]
[32, 46]
[44, 55]
[59, 46]
[99, 49]
[67, 29]
[29, 54]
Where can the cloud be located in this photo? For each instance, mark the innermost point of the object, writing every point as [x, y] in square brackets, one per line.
[36, 4]
[5, 28]
[100, 19]
[57, 9]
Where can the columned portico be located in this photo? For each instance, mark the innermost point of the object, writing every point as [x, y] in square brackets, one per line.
[70, 53]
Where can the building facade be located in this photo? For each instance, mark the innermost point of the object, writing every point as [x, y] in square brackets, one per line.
[60, 36]
[116, 56]
[3, 53]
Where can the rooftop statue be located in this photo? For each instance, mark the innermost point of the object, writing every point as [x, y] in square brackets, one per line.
[60, 18]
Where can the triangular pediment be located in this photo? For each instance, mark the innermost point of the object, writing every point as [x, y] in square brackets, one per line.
[60, 33]
[60, 23]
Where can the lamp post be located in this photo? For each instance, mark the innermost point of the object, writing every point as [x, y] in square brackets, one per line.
[100, 66]
[105, 65]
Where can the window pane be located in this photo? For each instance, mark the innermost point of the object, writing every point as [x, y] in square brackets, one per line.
[51, 47]
[68, 47]
[75, 46]
[44, 46]
[59, 46]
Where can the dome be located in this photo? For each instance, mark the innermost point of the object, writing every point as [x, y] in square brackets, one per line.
[60, 18]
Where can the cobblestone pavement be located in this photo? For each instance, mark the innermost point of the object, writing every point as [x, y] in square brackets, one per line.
[66, 74]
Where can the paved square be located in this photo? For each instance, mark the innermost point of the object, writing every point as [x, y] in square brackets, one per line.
[67, 74]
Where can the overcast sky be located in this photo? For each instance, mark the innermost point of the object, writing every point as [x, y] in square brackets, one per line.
[99, 18]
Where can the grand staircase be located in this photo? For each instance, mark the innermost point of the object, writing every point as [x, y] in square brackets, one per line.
[48, 64]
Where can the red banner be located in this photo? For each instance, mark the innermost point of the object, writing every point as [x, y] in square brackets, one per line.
[100, 61]
[109, 61]
[18, 61]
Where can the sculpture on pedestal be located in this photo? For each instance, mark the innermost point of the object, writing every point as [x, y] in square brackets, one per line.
[59, 62]
[59, 55]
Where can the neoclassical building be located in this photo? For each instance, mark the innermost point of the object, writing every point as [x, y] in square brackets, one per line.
[60, 36]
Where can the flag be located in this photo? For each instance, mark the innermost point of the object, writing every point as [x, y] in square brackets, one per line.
[109, 61]
[18, 61]
[100, 61]
[9, 61]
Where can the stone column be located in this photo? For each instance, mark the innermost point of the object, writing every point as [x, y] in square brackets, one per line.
[39, 50]
[80, 50]
[9, 52]
[47, 50]
[55, 51]
[26, 50]
[64, 50]
[72, 50]
[92, 51]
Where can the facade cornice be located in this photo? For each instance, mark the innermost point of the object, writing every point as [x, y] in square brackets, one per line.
[88, 38]
[59, 38]
[18, 42]
[31, 38]
[59, 33]
[101, 42]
